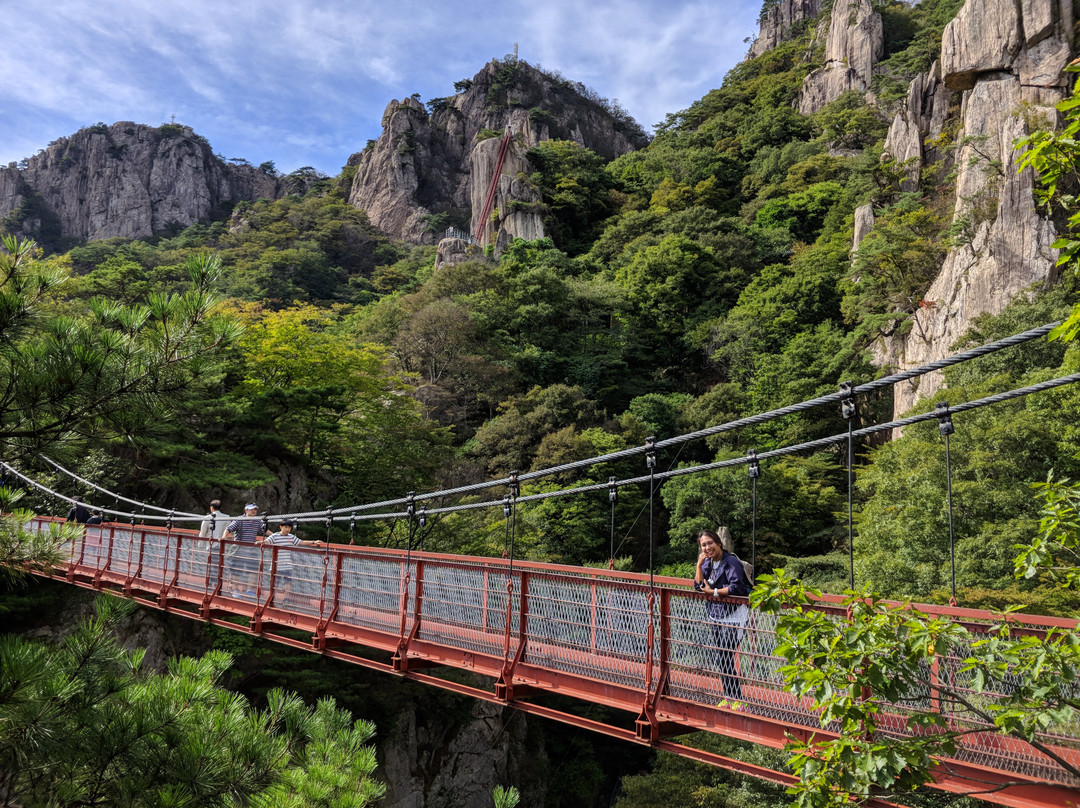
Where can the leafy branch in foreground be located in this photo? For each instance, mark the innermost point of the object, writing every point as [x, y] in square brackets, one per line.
[114, 369]
[21, 549]
[1053, 155]
[1055, 552]
[887, 667]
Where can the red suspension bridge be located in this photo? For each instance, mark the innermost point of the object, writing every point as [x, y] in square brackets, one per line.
[641, 646]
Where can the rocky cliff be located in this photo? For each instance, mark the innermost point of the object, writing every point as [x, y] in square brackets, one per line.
[779, 20]
[854, 43]
[999, 74]
[431, 167]
[1005, 59]
[124, 180]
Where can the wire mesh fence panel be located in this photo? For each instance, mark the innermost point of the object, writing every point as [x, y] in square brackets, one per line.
[95, 548]
[713, 643]
[202, 557]
[464, 606]
[370, 594]
[157, 556]
[587, 627]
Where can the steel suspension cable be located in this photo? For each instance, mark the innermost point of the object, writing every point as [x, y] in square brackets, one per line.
[753, 420]
[117, 497]
[946, 428]
[820, 443]
[44, 488]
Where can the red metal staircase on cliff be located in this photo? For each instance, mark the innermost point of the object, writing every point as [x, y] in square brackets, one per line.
[493, 187]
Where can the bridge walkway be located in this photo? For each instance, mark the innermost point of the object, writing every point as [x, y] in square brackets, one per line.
[597, 636]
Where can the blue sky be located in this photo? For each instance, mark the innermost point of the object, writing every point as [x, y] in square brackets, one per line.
[305, 82]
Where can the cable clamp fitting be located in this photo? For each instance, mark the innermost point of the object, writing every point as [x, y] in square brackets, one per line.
[423, 515]
[847, 400]
[613, 491]
[410, 504]
[650, 452]
[506, 506]
[945, 424]
[515, 486]
[753, 466]
[329, 517]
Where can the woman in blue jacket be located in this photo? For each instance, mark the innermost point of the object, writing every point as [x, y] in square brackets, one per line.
[720, 574]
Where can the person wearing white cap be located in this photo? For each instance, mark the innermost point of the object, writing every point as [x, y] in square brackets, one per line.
[245, 530]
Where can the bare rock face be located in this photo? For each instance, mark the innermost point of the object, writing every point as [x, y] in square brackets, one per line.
[1007, 57]
[921, 118]
[423, 163]
[125, 180]
[779, 20]
[1007, 248]
[864, 223]
[985, 35]
[854, 44]
[1030, 37]
[455, 764]
[516, 212]
[453, 250]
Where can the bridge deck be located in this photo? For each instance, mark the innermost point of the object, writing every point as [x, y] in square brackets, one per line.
[598, 636]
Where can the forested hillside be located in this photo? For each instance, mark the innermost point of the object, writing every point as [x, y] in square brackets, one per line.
[711, 275]
[703, 278]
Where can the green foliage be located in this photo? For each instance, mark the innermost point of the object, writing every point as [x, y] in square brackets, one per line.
[22, 550]
[82, 724]
[850, 123]
[855, 669]
[997, 454]
[912, 44]
[1053, 156]
[506, 797]
[1055, 551]
[575, 189]
[111, 371]
[897, 261]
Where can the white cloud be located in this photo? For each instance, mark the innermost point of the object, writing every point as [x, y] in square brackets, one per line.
[266, 77]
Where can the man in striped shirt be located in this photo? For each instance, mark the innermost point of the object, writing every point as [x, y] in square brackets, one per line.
[246, 531]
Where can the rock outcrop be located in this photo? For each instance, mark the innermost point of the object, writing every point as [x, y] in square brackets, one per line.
[125, 180]
[921, 118]
[854, 44]
[779, 20]
[428, 762]
[1007, 58]
[440, 162]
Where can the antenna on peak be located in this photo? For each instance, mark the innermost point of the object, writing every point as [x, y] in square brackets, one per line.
[515, 51]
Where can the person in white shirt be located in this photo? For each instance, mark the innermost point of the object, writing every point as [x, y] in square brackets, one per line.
[215, 522]
[285, 538]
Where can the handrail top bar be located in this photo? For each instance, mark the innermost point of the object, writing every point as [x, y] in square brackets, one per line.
[826, 601]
